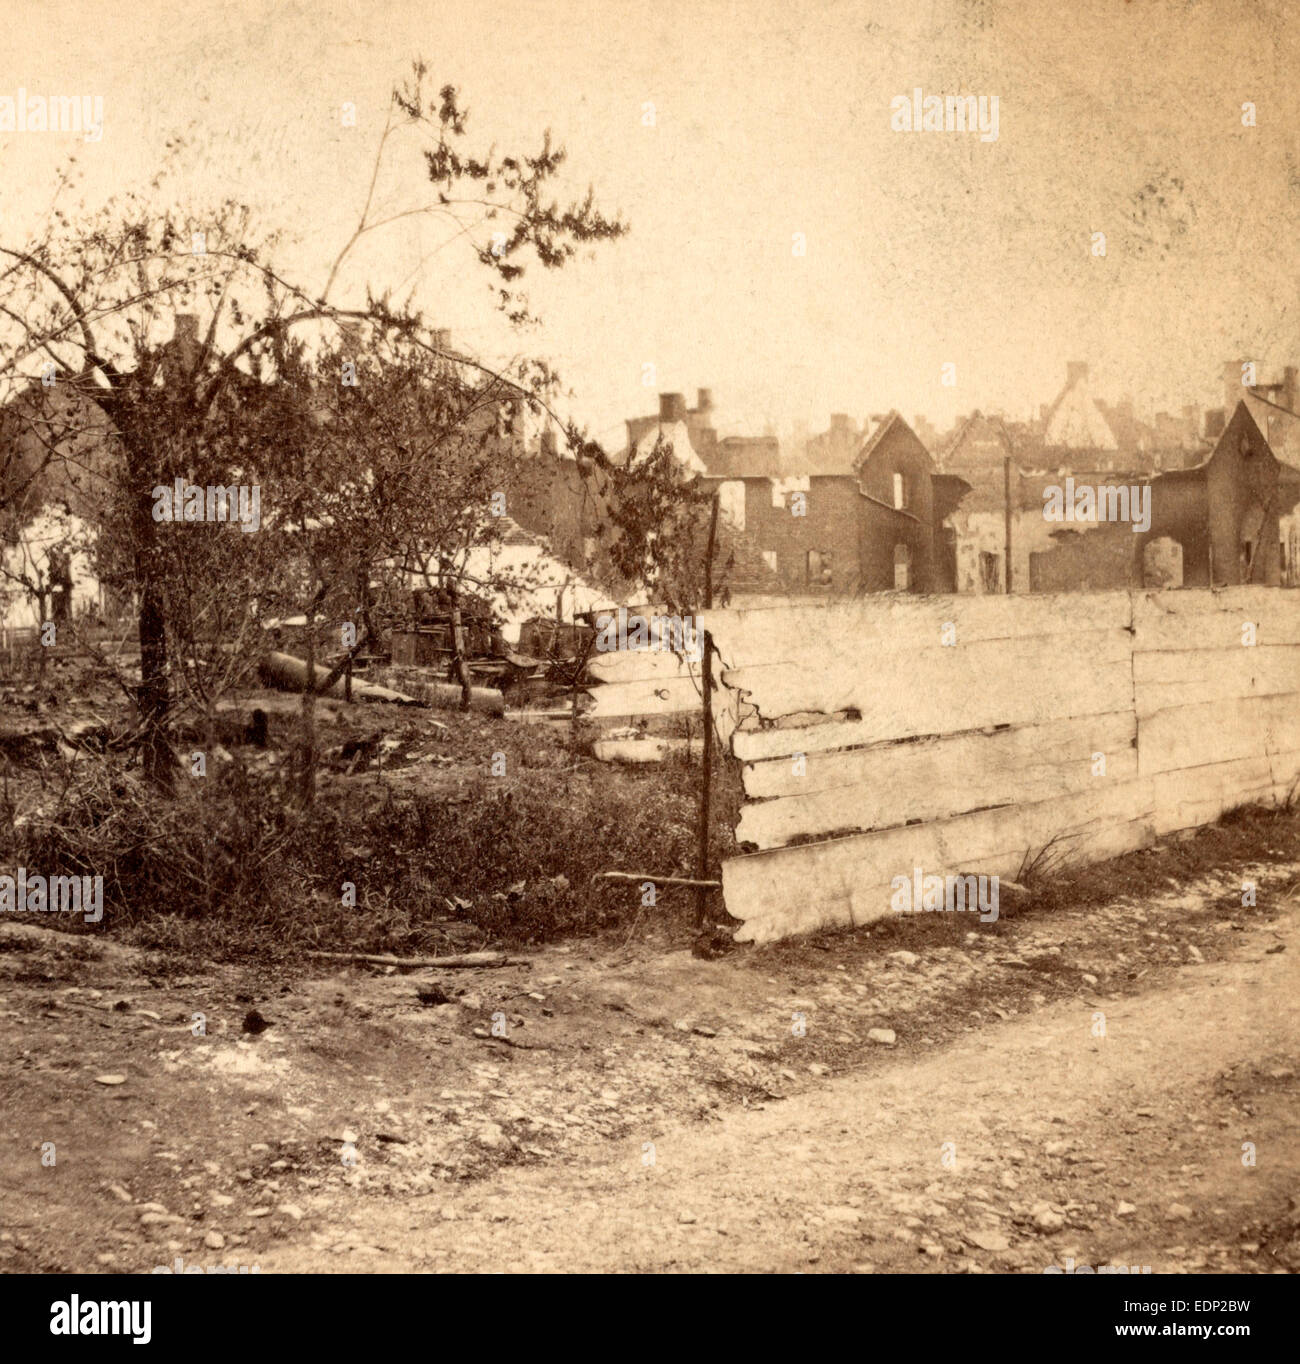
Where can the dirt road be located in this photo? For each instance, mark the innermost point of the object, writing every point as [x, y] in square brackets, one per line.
[1035, 1135]
[1077, 1082]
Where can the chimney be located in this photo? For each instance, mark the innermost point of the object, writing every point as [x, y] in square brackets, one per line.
[704, 400]
[1215, 421]
[442, 339]
[840, 423]
[672, 407]
[1232, 391]
[1289, 387]
[1075, 370]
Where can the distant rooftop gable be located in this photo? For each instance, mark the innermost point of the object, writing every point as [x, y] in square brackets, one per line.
[1074, 420]
[978, 442]
[678, 436]
[876, 433]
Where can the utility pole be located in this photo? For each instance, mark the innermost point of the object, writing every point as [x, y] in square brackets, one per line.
[1006, 508]
[706, 691]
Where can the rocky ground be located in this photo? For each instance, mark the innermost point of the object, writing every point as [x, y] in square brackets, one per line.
[956, 1097]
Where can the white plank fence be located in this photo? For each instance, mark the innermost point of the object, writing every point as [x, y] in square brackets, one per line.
[962, 735]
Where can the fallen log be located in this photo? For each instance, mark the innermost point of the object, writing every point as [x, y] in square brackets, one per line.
[459, 959]
[449, 694]
[657, 880]
[284, 670]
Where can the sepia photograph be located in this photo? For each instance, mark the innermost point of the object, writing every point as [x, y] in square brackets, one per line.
[649, 640]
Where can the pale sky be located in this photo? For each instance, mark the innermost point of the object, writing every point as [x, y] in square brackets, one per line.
[772, 117]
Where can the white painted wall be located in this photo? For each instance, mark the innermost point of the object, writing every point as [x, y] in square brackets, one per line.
[48, 531]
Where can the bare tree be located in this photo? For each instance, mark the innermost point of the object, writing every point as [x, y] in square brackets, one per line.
[86, 306]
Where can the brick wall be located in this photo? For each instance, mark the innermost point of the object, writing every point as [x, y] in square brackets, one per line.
[830, 526]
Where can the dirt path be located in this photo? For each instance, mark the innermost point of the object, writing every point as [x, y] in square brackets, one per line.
[647, 1109]
[1053, 1133]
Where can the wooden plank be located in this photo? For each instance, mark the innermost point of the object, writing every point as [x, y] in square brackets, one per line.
[1201, 619]
[638, 665]
[849, 881]
[663, 696]
[976, 759]
[900, 693]
[892, 784]
[759, 635]
[1217, 732]
[1199, 795]
[1194, 675]
[666, 696]
[1286, 776]
[752, 745]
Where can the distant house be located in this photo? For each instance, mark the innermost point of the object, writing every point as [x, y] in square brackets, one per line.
[977, 452]
[979, 442]
[674, 416]
[1077, 435]
[1272, 404]
[876, 526]
[1075, 427]
[905, 505]
[834, 450]
[1225, 513]
[1216, 524]
[696, 442]
[675, 433]
[56, 447]
[563, 505]
[747, 456]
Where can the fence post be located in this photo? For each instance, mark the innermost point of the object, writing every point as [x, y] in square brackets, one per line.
[1006, 512]
[706, 690]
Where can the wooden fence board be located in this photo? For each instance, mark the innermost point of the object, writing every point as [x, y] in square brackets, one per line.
[638, 665]
[752, 745]
[1213, 620]
[1218, 732]
[1186, 677]
[675, 691]
[801, 634]
[848, 881]
[1199, 795]
[891, 784]
[660, 696]
[900, 692]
